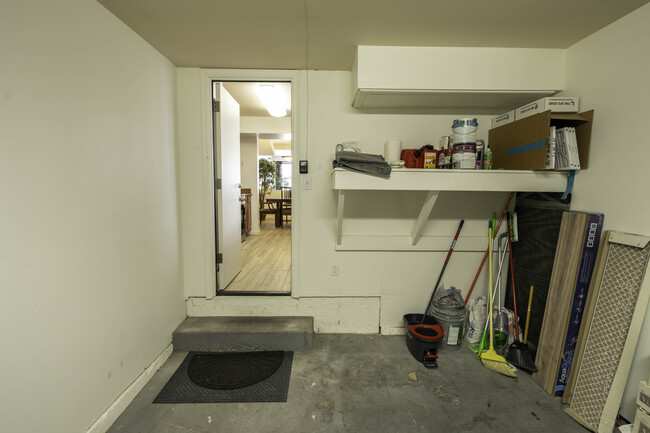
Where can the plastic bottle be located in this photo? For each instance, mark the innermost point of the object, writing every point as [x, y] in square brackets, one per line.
[480, 144]
[487, 158]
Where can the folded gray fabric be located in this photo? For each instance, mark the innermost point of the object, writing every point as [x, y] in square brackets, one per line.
[366, 163]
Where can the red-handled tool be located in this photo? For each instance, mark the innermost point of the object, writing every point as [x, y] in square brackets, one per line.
[451, 250]
[496, 230]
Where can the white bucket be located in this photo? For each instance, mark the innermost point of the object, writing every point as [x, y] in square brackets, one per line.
[454, 322]
[463, 156]
[464, 130]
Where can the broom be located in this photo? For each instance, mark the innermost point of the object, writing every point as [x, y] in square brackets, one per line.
[490, 358]
[478, 348]
[518, 353]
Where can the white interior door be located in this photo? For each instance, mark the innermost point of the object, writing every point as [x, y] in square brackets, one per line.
[227, 169]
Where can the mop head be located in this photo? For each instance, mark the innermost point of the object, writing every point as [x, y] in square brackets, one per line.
[519, 356]
[495, 362]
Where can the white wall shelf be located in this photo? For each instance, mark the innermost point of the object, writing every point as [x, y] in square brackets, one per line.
[433, 182]
[413, 77]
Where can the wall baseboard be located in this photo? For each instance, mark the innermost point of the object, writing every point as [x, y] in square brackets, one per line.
[106, 420]
[393, 331]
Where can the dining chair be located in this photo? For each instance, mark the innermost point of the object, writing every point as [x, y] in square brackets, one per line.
[286, 205]
[266, 208]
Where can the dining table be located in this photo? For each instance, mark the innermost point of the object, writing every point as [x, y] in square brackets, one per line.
[279, 204]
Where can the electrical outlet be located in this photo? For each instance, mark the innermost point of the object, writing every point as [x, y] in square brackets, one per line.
[335, 270]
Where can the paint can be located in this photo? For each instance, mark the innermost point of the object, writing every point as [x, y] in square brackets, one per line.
[453, 321]
[464, 130]
[463, 156]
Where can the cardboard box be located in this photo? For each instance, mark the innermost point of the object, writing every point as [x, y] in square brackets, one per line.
[557, 104]
[522, 144]
[503, 119]
[641, 422]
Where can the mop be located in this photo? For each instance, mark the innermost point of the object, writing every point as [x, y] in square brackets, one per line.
[490, 358]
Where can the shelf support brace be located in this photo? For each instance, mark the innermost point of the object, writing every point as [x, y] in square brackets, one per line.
[432, 196]
[339, 218]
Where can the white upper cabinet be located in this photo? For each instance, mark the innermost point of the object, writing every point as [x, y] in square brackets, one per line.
[448, 77]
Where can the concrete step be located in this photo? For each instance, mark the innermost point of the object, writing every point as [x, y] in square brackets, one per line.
[244, 334]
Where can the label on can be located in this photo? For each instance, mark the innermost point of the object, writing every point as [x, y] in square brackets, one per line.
[430, 157]
[453, 337]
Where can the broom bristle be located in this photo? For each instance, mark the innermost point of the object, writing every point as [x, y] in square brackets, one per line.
[495, 362]
[519, 356]
[499, 367]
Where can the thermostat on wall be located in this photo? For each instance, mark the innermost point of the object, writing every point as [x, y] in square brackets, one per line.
[304, 167]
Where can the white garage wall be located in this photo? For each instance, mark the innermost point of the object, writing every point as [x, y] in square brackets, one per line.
[401, 281]
[90, 272]
[608, 71]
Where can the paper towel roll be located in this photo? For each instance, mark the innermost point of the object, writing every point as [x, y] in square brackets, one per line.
[392, 150]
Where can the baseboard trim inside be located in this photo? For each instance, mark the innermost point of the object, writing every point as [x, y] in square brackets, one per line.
[106, 420]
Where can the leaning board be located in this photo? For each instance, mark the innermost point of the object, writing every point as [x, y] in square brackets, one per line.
[616, 306]
[559, 300]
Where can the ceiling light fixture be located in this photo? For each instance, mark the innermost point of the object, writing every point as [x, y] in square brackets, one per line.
[272, 99]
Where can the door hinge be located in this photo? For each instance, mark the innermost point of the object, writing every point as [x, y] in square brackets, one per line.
[220, 258]
[216, 106]
[217, 183]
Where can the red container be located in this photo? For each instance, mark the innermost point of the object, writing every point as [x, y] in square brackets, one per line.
[414, 158]
[411, 160]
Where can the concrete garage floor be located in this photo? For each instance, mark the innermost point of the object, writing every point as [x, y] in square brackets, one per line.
[365, 383]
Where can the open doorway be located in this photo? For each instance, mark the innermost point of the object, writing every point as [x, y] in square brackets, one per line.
[266, 166]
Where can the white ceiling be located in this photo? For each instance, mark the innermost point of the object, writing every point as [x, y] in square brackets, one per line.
[268, 144]
[249, 103]
[323, 34]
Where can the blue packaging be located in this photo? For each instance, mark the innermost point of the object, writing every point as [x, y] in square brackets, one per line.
[587, 262]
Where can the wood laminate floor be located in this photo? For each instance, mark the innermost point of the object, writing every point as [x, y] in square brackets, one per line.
[266, 261]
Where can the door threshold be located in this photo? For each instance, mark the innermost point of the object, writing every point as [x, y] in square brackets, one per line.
[249, 293]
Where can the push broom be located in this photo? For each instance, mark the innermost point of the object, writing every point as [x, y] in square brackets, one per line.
[490, 358]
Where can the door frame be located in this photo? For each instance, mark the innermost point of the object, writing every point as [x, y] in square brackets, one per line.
[298, 151]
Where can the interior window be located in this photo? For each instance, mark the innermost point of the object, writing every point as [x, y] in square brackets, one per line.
[285, 173]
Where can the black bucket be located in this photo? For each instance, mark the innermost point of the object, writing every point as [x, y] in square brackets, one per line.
[423, 338]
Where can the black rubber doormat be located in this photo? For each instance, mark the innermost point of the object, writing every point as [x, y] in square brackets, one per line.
[229, 378]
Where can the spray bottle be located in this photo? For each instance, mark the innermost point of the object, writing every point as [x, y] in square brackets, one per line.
[487, 158]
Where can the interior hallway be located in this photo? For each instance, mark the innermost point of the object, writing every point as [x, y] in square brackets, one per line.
[365, 383]
[266, 261]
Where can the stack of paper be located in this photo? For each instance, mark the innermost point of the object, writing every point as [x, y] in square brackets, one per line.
[562, 152]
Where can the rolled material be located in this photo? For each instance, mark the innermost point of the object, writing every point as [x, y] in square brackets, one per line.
[392, 150]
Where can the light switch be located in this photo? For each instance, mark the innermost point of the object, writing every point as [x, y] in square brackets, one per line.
[306, 182]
